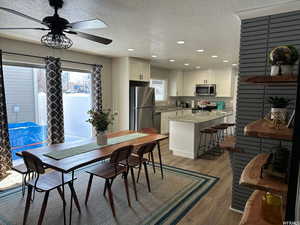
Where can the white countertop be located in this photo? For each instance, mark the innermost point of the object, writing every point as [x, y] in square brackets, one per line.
[201, 117]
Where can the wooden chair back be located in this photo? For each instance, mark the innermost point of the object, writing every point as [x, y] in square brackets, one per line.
[121, 154]
[33, 163]
[146, 148]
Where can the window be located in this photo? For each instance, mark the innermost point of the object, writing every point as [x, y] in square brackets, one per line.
[77, 100]
[26, 101]
[160, 89]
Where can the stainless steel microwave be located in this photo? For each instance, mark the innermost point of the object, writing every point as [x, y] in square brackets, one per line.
[205, 90]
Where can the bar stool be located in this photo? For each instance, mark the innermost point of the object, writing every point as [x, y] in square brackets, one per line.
[221, 130]
[230, 127]
[208, 141]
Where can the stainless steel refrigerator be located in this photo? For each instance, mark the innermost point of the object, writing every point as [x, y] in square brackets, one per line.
[142, 103]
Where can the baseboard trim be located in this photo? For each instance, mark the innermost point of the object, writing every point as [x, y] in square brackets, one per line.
[236, 210]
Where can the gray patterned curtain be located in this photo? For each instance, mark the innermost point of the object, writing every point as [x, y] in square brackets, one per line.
[5, 153]
[55, 113]
[97, 87]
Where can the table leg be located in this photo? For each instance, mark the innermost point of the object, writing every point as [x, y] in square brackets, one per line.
[63, 195]
[72, 196]
[160, 161]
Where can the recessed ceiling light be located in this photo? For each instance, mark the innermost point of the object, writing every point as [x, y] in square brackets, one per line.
[172, 60]
[234, 64]
[225, 61]
[186, 64]
[200, 50]
[214, 56]
[180, 42]
[154, 56]
[131, 49]
[198, 67]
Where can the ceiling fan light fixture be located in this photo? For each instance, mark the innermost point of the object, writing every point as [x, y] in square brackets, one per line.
[58, 41]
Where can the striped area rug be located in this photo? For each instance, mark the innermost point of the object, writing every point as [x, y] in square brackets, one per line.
[170, 199]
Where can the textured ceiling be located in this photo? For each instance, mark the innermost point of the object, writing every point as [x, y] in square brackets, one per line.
[151, 27]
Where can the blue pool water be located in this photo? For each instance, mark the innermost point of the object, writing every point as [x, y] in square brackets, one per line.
[29, 135]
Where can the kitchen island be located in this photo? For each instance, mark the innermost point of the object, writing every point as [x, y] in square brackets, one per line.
[184, 132]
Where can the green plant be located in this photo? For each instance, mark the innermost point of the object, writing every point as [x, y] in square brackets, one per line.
[279, 102]
[284, 55]
[100, 120]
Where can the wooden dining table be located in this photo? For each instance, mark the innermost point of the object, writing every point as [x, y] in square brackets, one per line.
[70, 164]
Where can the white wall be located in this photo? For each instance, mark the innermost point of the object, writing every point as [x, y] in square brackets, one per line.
[39, 50]
[120, 88]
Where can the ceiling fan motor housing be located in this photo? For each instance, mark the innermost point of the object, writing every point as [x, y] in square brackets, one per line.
[56, 24]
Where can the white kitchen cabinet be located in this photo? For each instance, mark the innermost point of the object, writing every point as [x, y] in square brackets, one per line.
[189, 83]
[224, 82]
[176, 83]
[165, 121]
[139, 69]
[206, 77]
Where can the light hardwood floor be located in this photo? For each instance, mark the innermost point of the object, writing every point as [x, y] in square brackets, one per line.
[213, 208]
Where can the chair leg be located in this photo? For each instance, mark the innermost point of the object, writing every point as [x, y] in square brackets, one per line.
[147, 176]
[23, 185]
[44, 206]
[74, 196]
[61, 194]
[160, 161]
[152, 158]
[110, 195]
[138, 177]
[126, 188]
[105, 187]
[27, 205]
[133, 182]
[88, 189]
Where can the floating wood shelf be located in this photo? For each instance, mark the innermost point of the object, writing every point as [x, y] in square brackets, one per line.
[263, 129]
[229, 144]
[251, 177]
[269, 80]
[252, 212]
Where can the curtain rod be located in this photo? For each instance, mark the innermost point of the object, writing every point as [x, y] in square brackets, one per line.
[40, 57]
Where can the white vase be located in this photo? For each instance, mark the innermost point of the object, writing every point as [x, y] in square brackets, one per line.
[274, 70]
[287, 69]
[280, 113]
[101, 138]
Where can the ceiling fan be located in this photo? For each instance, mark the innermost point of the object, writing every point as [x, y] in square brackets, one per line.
[58, 26]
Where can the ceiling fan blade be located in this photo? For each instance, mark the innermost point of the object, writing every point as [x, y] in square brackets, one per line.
[22, 28]
[90, 37]
[87, 24]
[22, 15]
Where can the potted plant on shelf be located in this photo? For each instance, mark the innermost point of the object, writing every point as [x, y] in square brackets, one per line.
[279, 108]
[283, 59]
[100, 121]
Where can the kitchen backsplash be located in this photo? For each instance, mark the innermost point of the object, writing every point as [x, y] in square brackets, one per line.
[228, 101]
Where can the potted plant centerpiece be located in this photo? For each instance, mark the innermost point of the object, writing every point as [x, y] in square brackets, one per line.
[283, 59]
[279, 107]
[100, 121]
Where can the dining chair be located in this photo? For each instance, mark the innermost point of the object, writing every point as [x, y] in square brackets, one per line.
[44, 182]
[153, 131]
[136, 161]
[109, 171]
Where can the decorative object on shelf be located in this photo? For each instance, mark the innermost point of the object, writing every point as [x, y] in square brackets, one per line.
[291, 120]
[283, 59]
[271, 208]
[277, 163]
[279, 108]
[100, 121]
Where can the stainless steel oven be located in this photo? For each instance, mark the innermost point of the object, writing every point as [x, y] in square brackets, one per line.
[205, 90]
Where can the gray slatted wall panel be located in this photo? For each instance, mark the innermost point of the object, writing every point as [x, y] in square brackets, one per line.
[258, 37]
